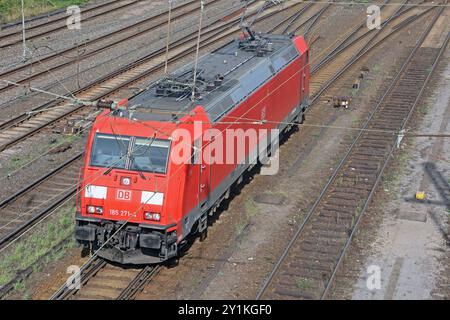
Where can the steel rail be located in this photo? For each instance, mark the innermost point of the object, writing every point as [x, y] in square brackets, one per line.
[64, 26]
[337, 170]
[44, 211]
[87, 271]
[40, 213]
[51, 14]
[295, 17]
[214, 34]
[139, 282]
[136, 278]
[386, 162]
[92, 268]
[138, 32]
[43, 178]
[141, 279]
[315, 19]
[27, 115]
[361, 53]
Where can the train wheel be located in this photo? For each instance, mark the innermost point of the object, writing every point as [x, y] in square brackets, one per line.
[203, 235]
[302, 118]
[173, 262]
[86, 251]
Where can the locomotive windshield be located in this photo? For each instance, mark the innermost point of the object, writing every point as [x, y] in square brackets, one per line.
[149, 155]
[131, 153]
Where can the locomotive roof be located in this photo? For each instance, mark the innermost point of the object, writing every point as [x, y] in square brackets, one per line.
[237, 71]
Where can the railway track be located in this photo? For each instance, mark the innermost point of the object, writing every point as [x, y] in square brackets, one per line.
[306, 16]
[359, 43]
[68, 56]
[40, 30]
[101, 280]
[47, 202]
[41, 197]
[308, 266]
[35, 201]
[136, 275]
[27, 124]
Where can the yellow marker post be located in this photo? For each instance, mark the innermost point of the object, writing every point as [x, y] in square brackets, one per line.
[420, 195]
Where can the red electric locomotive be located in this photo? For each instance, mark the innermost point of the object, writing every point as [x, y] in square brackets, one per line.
[148, 182]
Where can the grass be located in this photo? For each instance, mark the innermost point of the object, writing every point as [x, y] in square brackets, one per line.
[27, 251]
[250, 208]
[423, 110]
[303, 284]
[17, 162]
[19, 286]
[392, 177]
[376, 67]
[10, 10]
[71, 138]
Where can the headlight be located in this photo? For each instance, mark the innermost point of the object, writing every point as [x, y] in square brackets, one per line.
[152, 216]
[94, 209]
[126, 181]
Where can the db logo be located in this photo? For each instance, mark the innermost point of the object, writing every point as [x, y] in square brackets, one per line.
[123, 195]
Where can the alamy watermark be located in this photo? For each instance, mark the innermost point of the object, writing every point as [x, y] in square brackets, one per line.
[373, 281]
[73, 21]
[373, 17]
[73, 282]
[229, 146]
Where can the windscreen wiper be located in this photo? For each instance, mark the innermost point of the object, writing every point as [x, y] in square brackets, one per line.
[138, 168]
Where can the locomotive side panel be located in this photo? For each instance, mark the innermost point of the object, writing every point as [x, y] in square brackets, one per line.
[273, 103]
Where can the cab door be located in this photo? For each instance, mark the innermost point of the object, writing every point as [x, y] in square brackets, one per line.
[204, 174]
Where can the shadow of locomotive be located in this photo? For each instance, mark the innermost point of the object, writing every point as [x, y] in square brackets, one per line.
[442, 186]
[235, 190]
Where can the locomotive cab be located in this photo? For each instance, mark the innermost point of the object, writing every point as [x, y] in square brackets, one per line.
[132, 190]
[124, 181]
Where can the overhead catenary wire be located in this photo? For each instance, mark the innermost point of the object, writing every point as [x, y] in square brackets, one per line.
[255, 105]
[115, 233]
[118, 230]
[71, 99]
[181, 112]
[56, 79]
[247, 121]
[168, 37]
[24, 44]
[50, 93]
[365, 4]
[197, 50]
[213, 14]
